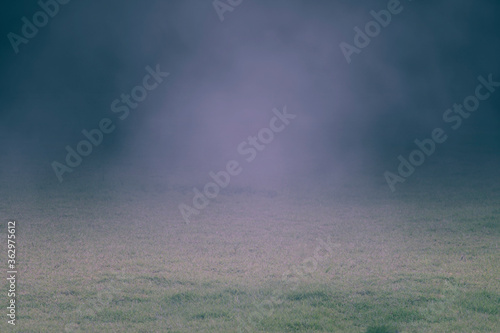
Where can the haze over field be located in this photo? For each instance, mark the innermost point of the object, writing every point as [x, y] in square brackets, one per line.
[226, 77]
[174, 165]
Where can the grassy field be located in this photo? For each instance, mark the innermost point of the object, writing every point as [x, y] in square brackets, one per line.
[109, 256]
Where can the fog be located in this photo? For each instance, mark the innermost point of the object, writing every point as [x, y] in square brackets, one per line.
[250, 165]
[226, 77]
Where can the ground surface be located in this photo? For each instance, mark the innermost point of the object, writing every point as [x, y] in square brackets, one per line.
[108, 255]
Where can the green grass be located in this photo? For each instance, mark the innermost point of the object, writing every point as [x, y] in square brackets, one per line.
[423, 260]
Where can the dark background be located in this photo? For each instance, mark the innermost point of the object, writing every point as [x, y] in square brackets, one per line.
[226, 77]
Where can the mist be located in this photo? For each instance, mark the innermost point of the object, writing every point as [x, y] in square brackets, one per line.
[225, 78]
[271, 166]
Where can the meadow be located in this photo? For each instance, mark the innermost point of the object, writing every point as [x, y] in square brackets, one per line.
[111, 253]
